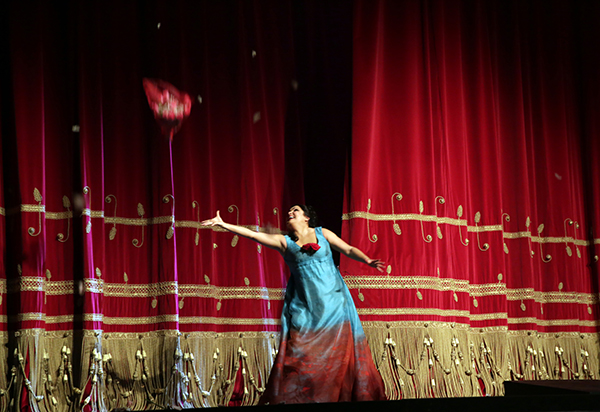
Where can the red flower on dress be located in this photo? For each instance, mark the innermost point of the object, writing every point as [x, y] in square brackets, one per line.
[169, 105]
[310, 248]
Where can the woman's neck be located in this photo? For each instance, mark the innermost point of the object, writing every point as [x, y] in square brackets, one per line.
[300, 232]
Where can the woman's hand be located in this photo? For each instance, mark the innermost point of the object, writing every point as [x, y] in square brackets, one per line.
[273, 241]
[215, 221]
[377, 264]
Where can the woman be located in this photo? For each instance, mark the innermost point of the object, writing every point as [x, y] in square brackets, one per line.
[323, 355]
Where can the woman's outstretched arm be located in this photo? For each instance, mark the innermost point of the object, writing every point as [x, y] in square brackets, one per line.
[350, 251]
[272, 241]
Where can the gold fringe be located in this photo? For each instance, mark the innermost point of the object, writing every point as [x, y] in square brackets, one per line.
[159, 369]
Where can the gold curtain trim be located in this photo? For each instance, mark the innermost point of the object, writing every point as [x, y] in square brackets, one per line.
[406, 282]
[33, 208]
[429, 325]
[474, 290]
[92, 213]
[31, 284]
[138, 221]
[148, 320]
[59, 215]
[488, 316]
[228, 321]
[56, 288]
[142, 320]
[463, 223]
[231, 292]
[237, 336]
[141, 290]
[476, 316]
[32, 316]
[555, 322]
[59, 288]
[60, 334]
[65, 287]
[413, 311]
[346, 216]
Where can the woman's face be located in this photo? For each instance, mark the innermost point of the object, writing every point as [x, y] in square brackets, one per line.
[296, 215]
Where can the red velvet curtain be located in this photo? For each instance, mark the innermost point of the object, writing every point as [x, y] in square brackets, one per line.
[106, 263]
[473, 124]
[472, 174]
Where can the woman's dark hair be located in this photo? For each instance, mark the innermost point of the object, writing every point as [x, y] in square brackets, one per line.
[309, 212]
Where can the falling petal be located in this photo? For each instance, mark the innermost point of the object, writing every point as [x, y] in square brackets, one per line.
[206, 279]
[98, 272]
[197, 238]
[75, 128]
[256, 117]
[247, 281]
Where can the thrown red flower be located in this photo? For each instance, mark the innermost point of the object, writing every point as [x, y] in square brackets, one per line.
[169, 105]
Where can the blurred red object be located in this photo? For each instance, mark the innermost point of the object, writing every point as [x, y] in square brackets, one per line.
[169, 105]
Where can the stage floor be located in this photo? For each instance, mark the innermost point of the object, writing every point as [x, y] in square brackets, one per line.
[484, 404]
[520, 396]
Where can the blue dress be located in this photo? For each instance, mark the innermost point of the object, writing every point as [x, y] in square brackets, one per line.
[323, 355]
